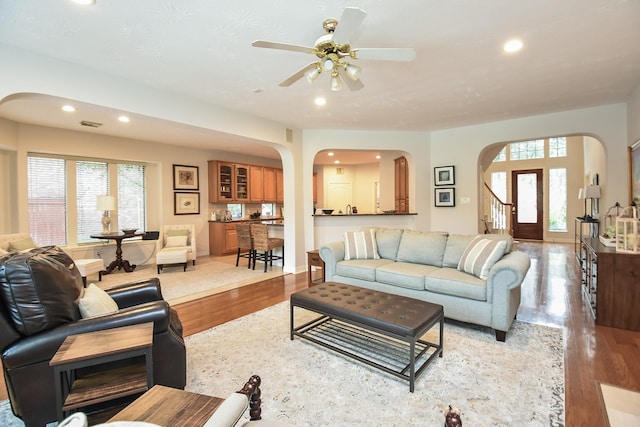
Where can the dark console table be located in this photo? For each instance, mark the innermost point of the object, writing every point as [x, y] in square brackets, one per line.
[611, 285]
[119, 262]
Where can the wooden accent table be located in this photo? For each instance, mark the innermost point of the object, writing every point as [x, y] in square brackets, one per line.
[313, 259]
[168, 406]
[98, 348]
[119, 262]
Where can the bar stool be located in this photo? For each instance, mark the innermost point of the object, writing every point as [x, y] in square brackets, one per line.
[244, 243]
[263, 245]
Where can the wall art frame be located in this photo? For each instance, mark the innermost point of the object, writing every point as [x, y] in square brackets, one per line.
[186, 177]
[186, 203]
[445, 197]
[444, 175]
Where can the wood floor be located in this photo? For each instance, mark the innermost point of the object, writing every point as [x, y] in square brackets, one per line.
[550, 295]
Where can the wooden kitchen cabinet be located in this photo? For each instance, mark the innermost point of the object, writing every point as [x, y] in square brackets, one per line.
[279, 186]
[223, 238]
[269, 184]
[401, 185]
[257, 189]
[221, 179]
[242, 183]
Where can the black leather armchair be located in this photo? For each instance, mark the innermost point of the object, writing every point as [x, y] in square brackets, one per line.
[25, 357]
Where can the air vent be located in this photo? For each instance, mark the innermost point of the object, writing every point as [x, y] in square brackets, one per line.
[90, 124]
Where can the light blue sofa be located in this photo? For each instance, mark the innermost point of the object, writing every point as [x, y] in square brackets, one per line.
[424, 265]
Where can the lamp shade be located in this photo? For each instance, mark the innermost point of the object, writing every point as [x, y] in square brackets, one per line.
[581, 193]
[106, 203]
[592, 192]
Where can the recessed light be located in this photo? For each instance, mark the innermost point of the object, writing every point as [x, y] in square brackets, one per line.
[68, 108]
[336, 161]
[320, 101]
[330, 153]
[124, 119]
[84, 2]
[513, 46]
[378, 156]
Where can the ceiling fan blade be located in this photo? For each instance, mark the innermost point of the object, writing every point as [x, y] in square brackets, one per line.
[283, 46]
[297, 75]
[351, 19]
[386, 54]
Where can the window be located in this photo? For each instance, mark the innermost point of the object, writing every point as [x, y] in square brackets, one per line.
[558, 147]
[502, 155]
[236, 209]
[51, 223]
[527, 150]
[558, 199]
[47, 200]
[268, 209]
[499, 185]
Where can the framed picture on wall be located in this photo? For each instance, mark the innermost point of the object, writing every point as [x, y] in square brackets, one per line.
[185, 177]
[186, 203]
[445, 197]
[444, 175]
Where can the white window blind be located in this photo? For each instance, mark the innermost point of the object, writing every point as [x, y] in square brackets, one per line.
[47, 200]
[131, 196]
[92, 180]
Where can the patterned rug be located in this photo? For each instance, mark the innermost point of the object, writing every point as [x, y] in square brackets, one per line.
[516, 383]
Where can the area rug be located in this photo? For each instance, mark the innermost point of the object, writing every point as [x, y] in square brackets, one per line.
[516, 383]
[210, 275]
[623, 406]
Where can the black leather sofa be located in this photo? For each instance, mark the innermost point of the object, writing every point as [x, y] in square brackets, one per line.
[38, 310]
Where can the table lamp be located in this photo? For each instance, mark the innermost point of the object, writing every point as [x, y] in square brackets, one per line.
[106, 204]
[592, 192]
[581, 197]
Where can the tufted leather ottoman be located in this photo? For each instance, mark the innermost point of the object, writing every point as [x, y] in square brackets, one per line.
[358, 322]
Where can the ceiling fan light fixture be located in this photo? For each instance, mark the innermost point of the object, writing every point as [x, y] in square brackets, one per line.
[353, 71]
[313, 73]
[336, 82]
[327, 64]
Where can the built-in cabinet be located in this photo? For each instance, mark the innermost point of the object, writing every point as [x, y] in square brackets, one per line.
[223, 238]
[610, 285]
[401, 185]
[230, 182]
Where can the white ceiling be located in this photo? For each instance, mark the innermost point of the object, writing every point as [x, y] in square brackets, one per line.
[577, 53]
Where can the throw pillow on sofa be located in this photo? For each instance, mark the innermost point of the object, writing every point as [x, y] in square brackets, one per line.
[480, 255]
[360, 245]
[96, 302]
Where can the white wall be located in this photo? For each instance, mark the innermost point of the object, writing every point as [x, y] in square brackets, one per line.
[633, 116]
[462, 147]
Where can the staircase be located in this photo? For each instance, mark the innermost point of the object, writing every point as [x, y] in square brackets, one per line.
[496, 213]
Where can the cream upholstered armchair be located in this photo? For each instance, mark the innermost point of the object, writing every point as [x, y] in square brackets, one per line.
[178, 245]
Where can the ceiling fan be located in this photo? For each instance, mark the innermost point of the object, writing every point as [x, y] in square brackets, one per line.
[332, 50]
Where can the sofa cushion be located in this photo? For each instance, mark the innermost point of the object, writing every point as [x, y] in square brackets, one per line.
[388, 240]
[96, 302]
[480, 255]
[40, 289]
[450, 281]
[21, 245]
[360, 245]
[404, 274]
[456, 244]
[364, 269]
[422, 247]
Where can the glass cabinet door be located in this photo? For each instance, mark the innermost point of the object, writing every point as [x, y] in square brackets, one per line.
[242, 182]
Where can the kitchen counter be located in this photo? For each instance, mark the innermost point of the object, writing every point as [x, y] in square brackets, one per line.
[223, 238]
[367, 214]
